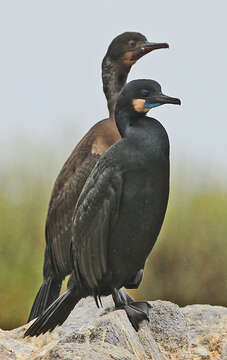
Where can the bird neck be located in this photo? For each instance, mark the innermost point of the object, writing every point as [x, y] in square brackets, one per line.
[126, 118]
[114, 77]
[145, 134]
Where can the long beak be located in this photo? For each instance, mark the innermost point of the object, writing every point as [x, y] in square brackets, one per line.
[163, 99]
[150, 46]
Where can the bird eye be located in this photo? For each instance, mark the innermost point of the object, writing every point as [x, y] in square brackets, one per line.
[132, 43]
[145, 93]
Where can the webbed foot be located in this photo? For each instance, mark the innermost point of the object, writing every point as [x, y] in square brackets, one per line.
[137, 311]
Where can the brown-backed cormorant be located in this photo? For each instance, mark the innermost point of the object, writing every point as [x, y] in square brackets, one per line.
[120, 210]
[122, 53]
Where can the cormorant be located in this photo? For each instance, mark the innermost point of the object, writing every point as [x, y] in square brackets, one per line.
[122, 53]
[120, 210]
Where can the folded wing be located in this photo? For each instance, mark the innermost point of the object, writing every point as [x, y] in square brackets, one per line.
[95, 216]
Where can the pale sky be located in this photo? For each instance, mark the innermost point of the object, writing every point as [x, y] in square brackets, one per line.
[50, 77]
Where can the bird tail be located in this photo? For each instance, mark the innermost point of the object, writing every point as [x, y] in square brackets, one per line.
[55, 314]
[48, 292]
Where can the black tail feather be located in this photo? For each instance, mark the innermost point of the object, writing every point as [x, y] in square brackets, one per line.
[48, 292]
[55, 314]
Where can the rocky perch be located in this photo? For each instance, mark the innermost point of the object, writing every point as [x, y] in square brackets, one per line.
[193, 332]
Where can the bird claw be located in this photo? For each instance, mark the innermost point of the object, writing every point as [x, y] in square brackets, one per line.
[137, 312]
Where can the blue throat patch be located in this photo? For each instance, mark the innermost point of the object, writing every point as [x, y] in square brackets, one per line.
[150, 106]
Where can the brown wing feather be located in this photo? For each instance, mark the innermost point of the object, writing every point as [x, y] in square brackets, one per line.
[67, 189]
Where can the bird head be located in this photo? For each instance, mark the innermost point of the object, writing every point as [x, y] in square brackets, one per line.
[140, 96]
[128, 47]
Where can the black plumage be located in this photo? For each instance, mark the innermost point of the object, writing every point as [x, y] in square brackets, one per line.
[120, 211]
[122, 53]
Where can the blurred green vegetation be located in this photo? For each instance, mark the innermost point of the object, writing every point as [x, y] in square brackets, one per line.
[21, 223]
[187, 264]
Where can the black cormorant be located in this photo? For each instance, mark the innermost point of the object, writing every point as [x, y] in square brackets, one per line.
[122, 53]
[120, 210]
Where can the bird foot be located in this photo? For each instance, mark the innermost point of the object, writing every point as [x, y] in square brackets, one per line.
[137, 311]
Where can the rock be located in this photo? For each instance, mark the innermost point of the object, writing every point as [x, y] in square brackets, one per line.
[208, 331]
[194, 332]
